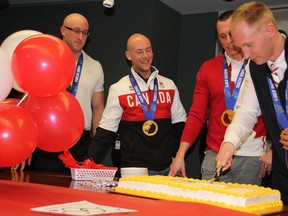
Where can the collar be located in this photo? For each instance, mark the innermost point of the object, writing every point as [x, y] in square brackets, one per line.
[154, 73]
[151, 78]
[84, 54]
[232, 61]
[280, 61]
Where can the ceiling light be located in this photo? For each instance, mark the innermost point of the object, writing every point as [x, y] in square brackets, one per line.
[108, 3]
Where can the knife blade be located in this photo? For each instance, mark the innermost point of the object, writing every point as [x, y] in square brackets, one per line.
[217, 174]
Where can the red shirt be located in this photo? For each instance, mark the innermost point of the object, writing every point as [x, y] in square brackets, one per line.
[208, 101]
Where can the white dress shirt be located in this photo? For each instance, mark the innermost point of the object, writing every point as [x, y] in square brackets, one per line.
[252, 145]
[248, 108]
[281, 64]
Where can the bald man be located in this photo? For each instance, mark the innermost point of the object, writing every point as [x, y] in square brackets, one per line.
[145, 108]
[88, 90]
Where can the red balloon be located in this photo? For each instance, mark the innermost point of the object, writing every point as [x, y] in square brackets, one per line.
[60, 120]
[43, 65]
[18, 135]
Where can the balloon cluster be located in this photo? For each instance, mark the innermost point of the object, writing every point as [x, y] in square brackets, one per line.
[48, 117]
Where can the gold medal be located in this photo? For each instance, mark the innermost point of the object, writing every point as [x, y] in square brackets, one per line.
[150, 128]
[227, 117]
[283, 132]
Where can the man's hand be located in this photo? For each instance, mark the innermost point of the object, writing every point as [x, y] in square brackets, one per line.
[178, 164]
[284, 138]
[266, 166]
[224, 156]
[178, 167]
[23, 164]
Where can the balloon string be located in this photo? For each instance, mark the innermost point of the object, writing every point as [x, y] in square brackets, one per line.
[23, 98]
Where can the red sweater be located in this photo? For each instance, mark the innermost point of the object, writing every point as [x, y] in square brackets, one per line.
[208, 100]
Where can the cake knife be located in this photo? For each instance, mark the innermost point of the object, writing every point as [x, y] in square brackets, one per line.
[216, 176]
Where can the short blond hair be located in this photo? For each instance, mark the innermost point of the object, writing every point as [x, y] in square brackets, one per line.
[252, 13]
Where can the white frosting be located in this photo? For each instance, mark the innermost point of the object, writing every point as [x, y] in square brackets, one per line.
[235, 196]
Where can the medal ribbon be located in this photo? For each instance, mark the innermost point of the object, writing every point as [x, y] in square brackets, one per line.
[230, 100]
[281, 115]
[149, 114]
[77, 75]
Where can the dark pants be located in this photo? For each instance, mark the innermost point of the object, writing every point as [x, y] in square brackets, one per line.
[49, 161]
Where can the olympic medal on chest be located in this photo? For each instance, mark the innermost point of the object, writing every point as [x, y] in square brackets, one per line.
[227, 117]
[150, 128]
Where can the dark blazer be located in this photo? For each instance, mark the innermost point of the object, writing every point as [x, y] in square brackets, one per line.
[259, 75]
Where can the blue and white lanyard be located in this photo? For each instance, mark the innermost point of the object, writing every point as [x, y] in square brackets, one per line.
[77, 75]
[280, 113]
[149, 113]
[230, 100]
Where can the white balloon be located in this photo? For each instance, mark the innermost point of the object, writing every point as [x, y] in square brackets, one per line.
[6, 76]
[13, 40]
[10, 44]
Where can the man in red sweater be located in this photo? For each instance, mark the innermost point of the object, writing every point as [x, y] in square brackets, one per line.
[218, 85]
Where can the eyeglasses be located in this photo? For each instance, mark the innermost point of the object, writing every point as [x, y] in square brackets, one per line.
[78, 31]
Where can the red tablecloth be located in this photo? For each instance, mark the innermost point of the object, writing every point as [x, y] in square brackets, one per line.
[16, 199]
